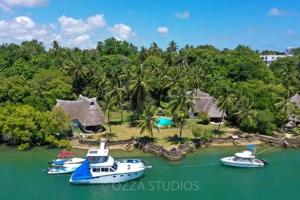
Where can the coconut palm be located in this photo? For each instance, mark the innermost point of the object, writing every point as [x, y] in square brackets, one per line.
[147, 121]
[138, 87]
[108, 104]
[172, 46]
[79, 72]
[180, 105]
[225, 102]
[246, 114]
[118, 93]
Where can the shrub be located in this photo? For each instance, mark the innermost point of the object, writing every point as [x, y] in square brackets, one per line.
[201, 133]
[203, 118]
[23, 147]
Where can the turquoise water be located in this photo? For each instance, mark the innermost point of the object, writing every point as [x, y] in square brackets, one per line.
[198, 176]
[164, 122]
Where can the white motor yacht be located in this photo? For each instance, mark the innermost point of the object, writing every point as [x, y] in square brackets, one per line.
[101, 168]
[243, 159]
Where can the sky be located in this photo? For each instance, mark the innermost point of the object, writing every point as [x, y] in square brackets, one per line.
[260, 24]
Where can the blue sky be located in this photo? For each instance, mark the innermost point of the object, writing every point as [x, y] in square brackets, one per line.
[261, 24]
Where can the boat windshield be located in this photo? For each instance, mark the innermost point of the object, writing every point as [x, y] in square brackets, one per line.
[97, 159]
[115, 166]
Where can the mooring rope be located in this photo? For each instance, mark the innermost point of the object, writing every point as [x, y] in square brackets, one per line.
[264, 150]
[48, 152]
[188, 166]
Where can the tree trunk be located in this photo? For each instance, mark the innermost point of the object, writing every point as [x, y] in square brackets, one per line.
[180, 133]
[108, 118]
[221, 120]
[151, 132]
[121, 112]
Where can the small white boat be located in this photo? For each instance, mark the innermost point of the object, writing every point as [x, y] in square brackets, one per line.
[65, 163]
[243, 159]
[100, 168]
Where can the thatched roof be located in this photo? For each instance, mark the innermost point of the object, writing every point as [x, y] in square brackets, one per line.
[86, 110]
[203, 102]
[296, 100]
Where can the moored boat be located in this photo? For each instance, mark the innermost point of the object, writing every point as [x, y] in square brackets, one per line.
[65, 163]
[100, 168]
[244, 159]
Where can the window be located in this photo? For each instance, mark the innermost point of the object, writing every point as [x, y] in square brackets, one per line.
[114, 176]
[115, 166]
[111, 170]
[104, 169]
[96, 170]
[122, 175]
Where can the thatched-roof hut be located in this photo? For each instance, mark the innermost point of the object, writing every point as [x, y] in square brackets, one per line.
[85, 111]
[203, 102]
[296, 100]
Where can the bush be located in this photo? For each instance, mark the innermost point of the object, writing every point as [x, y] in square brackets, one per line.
[201, 133]
[64, 144]
[265, 122]
[23, 147]
[203, 118]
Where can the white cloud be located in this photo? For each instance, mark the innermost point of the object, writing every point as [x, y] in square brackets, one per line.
[276, 12]
[74, 27]
[68, 31]
[22, 28]
[121, 31]
[8, 4]
[163, 29]
[183, 15]
[81, 39]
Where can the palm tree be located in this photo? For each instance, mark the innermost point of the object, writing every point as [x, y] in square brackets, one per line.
[79, 72]
[138, 87]
[172, 46]
[180, 105]
[225, 102]
[108, 104]
[143, 54]
[196, 77]
[147, 121]
[246, 112]
[118, 94]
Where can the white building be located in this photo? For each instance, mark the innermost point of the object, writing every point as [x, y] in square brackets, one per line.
[268, 59]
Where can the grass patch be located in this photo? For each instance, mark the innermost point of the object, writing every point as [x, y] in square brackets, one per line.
[164, 137]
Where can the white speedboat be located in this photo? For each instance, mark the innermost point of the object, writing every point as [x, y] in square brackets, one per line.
[243, 159]
[65, 163]
[100, 168]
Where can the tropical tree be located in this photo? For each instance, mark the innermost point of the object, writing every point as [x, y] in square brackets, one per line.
[118, 94]
[147, 121]
[138, 88]
[181, 103]
[225, 102]
[108, 105]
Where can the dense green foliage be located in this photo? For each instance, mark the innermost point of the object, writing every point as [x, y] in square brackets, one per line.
[254, 97]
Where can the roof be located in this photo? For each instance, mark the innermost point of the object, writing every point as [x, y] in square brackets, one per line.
[296, 99]
[86, 110]
[203, 102]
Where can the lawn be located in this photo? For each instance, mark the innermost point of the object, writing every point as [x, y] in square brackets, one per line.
[163, 137]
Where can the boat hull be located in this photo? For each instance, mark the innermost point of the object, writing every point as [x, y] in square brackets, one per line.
[109, 179]
[65, 169]
[228, 161]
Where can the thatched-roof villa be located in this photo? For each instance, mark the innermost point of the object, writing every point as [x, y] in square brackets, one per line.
[85, 111]
[203, 102]
[296, 100]
[294, 119]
